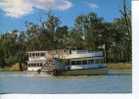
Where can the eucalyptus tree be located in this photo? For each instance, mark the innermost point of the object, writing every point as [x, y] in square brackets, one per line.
[62, 37]
[52, 24]
[32, 36]
[123, 40]
[85, 25]
[8, 47]
[126, 18]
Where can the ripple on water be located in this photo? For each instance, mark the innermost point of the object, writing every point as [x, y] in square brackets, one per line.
[25, 82]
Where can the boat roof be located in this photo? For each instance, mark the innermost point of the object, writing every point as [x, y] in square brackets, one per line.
[83, 55]
[37, 52]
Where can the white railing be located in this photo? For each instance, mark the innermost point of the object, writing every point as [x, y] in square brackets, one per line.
[36, 58]
[83, 55]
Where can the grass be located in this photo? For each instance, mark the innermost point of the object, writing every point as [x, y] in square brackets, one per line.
[119, 66]
[14, 67]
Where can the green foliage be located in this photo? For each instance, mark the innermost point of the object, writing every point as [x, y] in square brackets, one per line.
[90, 32]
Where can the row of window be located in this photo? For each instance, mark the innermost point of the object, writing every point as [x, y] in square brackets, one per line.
[68, 62]
[84, 62]
[36, 54]
[35, 64]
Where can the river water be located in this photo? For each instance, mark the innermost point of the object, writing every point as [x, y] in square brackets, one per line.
[23, 82]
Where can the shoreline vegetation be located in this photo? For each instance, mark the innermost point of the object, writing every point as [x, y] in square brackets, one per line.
[15, 67]
[89, 32]
[111, 66]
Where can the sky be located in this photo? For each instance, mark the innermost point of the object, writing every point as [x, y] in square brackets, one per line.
[14, 13]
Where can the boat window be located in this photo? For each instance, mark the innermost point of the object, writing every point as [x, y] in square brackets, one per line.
[99, 61]
[37, 54]
[40, 64]
[67, 62]
[68, 68]
[73, 63]
[90, 61]
[33, 54]
[84, 62]
[30, 55]
[42, 54]
[78, 62]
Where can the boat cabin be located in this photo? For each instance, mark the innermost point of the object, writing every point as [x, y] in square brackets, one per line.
[36, 59]
[82, 59]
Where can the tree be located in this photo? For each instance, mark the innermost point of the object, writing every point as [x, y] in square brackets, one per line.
[85, 25]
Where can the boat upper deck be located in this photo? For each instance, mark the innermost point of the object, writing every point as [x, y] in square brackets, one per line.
[83, 54]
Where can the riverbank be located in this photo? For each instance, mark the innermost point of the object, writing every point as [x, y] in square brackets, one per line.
[111, 66]
[119, 66]
[15, 67]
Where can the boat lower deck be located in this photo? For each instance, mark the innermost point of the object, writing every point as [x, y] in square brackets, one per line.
[94, 71]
